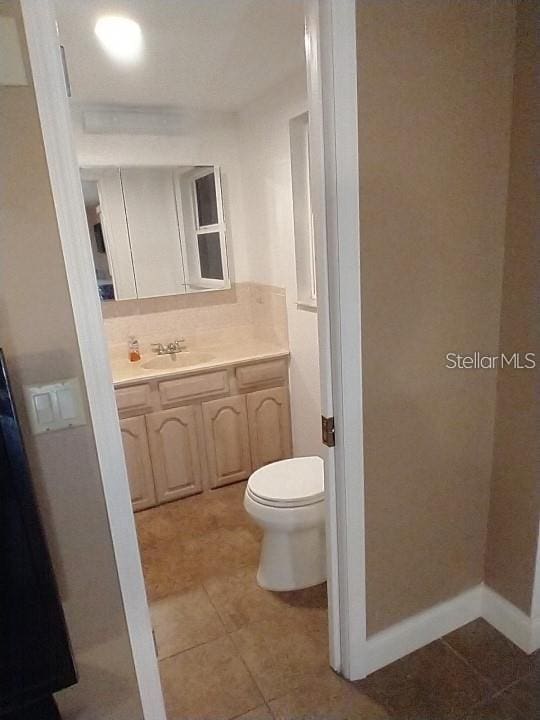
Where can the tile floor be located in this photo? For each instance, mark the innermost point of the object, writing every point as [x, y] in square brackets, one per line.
[228, 649]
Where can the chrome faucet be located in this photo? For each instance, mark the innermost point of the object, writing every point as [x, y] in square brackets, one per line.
[170, 348]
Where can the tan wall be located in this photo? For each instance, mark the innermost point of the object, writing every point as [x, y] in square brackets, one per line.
[38, 337]
[515, 496]
[435, 83]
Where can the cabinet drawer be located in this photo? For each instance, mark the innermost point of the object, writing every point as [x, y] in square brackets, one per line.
[203, 385]
[133, 400]
[272, 372]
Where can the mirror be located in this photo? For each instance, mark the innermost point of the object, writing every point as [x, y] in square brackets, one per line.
[156, 230]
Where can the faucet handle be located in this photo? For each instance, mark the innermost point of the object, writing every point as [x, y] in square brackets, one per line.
[157, 348]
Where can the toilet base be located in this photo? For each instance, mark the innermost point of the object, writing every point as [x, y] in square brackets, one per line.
[292, 560]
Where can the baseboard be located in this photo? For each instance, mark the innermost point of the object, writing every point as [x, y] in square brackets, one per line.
[409, 635]
[512, 622]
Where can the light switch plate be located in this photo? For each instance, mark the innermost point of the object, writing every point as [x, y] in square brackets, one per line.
[55, 406]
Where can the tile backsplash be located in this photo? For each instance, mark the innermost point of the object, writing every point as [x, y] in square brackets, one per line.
[246, 311]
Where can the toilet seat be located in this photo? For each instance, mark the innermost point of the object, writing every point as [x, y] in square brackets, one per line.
[293, 483]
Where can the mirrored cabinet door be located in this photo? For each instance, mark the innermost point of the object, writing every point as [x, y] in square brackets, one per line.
[109, 237]
[152, 219]
[156, 230]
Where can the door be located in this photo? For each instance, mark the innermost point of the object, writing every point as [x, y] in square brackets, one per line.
[154, 234]
[227, 440]
[334, 167]
[269, 418]
[175, 449]
[331, 61]
[139, 467]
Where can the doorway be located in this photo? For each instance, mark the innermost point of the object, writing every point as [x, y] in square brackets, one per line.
[334, 192]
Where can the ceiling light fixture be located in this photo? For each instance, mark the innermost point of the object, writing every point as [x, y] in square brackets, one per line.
[120, 37]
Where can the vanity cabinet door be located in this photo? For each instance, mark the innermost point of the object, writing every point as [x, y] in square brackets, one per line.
[175, 449]
[227, 440]
[269, 425]
[139, 467]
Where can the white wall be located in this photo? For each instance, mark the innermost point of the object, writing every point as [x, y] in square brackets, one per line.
[253, 150]
[263, 137]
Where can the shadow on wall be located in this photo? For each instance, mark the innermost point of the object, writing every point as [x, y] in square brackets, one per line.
[98, 688]
[62, 486]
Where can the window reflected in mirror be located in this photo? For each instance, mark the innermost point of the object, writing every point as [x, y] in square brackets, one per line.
[156, 231]
[205, 198]
[210, 256]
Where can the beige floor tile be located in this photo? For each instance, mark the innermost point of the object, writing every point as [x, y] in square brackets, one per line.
[208, 682]
[499, 708]
[432, 683]
[184, 563]
[154, 527]
[283, 655]
[525, 694]
[183, 621]
[260, 713]
[218, 509]
[223, 552]
[328, 697]
[240, 601]
[165, 573]
[194, 517]
[490, 653]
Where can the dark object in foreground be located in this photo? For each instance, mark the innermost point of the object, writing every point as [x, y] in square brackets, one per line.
[35, 654]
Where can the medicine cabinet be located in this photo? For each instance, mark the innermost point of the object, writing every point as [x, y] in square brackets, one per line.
[156, 230]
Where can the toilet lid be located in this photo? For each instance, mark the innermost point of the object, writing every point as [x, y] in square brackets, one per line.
[289, 483]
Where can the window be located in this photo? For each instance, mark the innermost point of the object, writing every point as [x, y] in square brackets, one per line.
[304, 240]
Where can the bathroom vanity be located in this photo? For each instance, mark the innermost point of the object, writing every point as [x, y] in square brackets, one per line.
[196, 423]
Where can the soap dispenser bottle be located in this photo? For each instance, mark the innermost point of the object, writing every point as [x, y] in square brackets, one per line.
[133, 348]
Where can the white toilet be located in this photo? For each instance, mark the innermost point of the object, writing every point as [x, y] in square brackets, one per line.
[286, 499]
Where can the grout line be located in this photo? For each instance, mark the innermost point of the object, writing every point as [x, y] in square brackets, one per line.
[213, 605]
[486, 701]
[264, 704]
[248, 669]
[511, 685]
[191, 647]
[467, 662]
[469, 665]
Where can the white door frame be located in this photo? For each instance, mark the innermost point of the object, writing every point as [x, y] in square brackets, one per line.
[48, 79]
[333, 111]
[331, 42]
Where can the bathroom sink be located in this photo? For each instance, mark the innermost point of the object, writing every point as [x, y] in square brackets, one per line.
[177, 360]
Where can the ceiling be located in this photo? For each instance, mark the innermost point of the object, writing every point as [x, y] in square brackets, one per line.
[204, 54]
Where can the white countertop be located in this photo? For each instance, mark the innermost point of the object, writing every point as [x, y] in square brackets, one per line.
[128, 373]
